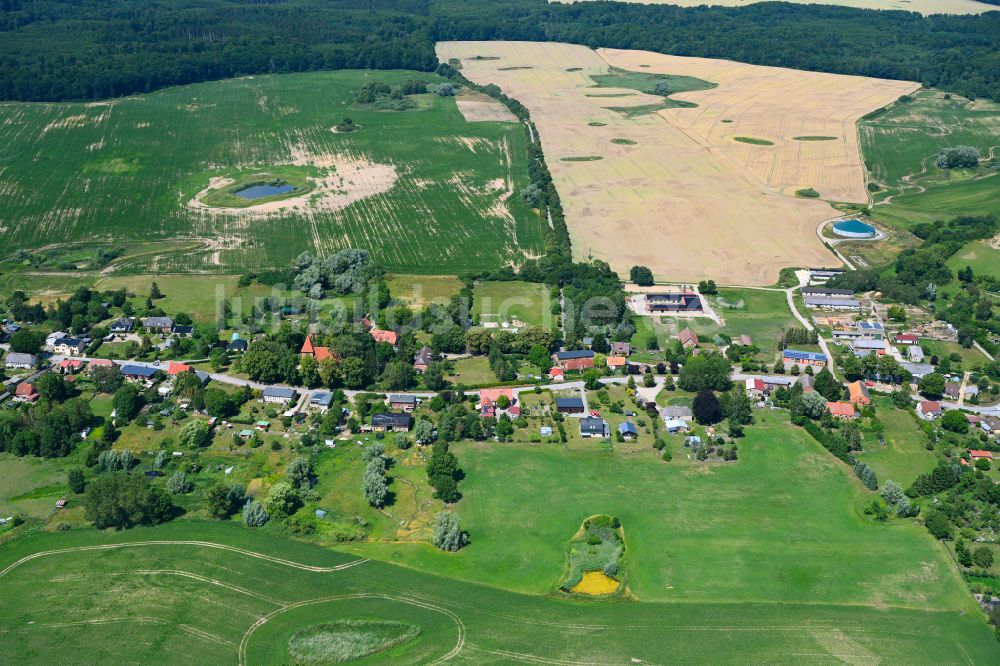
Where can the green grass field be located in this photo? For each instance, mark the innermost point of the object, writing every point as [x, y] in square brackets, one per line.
[781, 525]
[905, 455]
[900, 145]
[440, 197]
[31, 485]
[506, 301]
[762, 315]
[163, 603]
[983, 259]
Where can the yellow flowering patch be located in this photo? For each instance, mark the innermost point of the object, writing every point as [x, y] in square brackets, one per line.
[595, 583]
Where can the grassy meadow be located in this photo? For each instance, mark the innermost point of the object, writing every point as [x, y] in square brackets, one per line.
[434, 193]
[506, 301]
[900, 145]
[161, 604]
[782, 524]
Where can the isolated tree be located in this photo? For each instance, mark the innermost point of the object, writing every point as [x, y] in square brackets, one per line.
[706, 408]
[299, 473]
[708, 287]
[983, 557]
[962, 553]
[447, 532]
[965, 157]
[154, 291]
[374, 484]
[178, 484]
[423, 431]
[954, 421]
[77, 482]
[892, 492]
[446, 90]
[196, 434]
[254, 514]
[813, 405]
[160, 460]
[282, 498]
[127, 401]
[662, 87]
[641, 275]
[932, 386]
[504, 429]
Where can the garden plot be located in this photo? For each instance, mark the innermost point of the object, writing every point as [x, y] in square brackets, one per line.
[791, 130]
[653, 183]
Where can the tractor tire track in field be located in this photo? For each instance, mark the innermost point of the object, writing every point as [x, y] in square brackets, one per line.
[264, 619]
[201, 544]
[188, 629]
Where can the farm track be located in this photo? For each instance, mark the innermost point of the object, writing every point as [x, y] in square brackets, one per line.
[201, 544]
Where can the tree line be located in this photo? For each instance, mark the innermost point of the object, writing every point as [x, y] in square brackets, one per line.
[53, 50]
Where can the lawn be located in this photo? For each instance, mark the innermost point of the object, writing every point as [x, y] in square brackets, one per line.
[500, 302]
[971, 357]
[424, 190]
[30, 485]
[900, 145]
[695, 532]
[762, 315]
[905, 455]
[161, 604]
[200, 296]
[417, 291]
[983, 259]
[472, 371]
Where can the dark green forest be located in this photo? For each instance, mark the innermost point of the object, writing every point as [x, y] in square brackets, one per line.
[88, 49]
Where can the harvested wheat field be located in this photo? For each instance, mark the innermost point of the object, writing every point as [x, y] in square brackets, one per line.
[925, 7]
[656, 196]
[810, 118]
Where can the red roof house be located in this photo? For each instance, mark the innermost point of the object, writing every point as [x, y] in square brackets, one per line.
[100, 363]
[318, 353]
[688, 338]
[929, 409]
[70, 365]
[977, 454]
[906, 339]
[25, 392]
[841, 410]
[385, 336]
[177, 368]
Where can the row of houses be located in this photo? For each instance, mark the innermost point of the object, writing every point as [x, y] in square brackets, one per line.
[162, 325]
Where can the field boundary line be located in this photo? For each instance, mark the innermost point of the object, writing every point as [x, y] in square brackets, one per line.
[535, 659]
[202, 544]
[264, 619]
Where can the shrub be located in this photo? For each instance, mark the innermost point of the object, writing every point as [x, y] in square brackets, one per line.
[447, 532]
[254, 514]
[178, 484]
[958, 157]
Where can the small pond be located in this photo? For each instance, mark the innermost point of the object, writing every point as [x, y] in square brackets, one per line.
[264, 190]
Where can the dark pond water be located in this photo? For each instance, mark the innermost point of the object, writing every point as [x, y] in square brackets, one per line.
[264, 190]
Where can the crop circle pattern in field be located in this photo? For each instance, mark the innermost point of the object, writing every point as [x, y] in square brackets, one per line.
[441, 632]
